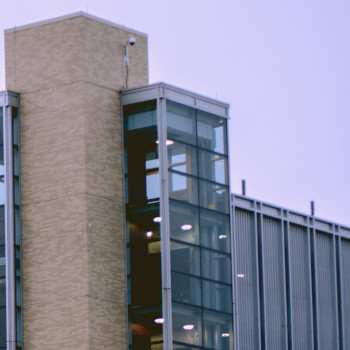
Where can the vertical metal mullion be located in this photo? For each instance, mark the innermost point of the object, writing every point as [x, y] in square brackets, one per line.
[311, 289]
[284, 286]
[288, 284]
[314, 285]
[262, 303]
[257, 267]
[335, 287]
[234, 277]
[165, 224]
[340, 294]
[9, 231]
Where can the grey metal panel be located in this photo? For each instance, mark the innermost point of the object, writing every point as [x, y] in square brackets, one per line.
[345, 283]
[176, 94]
[326, 292]
[246, 281]
[300, 292]
[274, 284]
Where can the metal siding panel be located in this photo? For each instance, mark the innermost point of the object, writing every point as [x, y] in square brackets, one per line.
[247, 285]
[275, 308]
[300, 294]
[345, 283]
[326, 293]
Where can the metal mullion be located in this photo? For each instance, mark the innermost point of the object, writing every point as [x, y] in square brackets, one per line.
[335, 286]
[234, 274]
[164, 224]
[289, 284]
[9, 230]
[311, 294]
[262, 301]
[340, 294]
[314, 284]
[284, 280]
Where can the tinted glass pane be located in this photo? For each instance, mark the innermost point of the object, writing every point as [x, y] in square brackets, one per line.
[211, 132]
[185, 258]
[213, 167]
[187, 324]
[185, 289]
[142, 223]
[215, 230]
[181, 123]
[216, 296]
[183, 188]
[212, 196]
[2, 312]
[182, 158]
[217, 330]
[184, 222]
[140, 115]
[216, 266]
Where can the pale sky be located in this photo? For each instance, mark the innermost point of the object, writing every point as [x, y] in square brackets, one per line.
[282, 65]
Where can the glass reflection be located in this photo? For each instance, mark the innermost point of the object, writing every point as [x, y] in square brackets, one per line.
[217, 330]
[184, 315]
[181, 123]
[211, 132]
[215, 230]
[213, 167]
[217, 296]
[181, 214]
[183, 188]
[182, 158]
[185, 258]
[186, 289]
[216, 266]
[213, 196]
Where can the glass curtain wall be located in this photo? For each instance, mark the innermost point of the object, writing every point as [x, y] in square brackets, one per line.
[141, 166]
[200, 239]
[177, 222]
[10, 228]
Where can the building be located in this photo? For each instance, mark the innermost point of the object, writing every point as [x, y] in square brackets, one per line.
[118, 228]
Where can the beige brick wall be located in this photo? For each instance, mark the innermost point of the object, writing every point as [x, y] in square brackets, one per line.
[69, 72]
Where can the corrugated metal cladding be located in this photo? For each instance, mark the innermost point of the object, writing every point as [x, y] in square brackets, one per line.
[292, 279]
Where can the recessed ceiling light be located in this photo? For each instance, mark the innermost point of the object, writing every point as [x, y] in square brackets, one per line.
[149, 233]
[188, 327]
[240, 275]
[225, 335]
[159, 320]
[222, 237]
[157, 219]
[186, 227]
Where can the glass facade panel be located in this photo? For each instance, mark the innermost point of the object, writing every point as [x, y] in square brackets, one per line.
[217, 330]
[185, 258]
[182, 158]
[187, 324]
[184, 222]
[216, 296]
[181, 123]
[186, 289]
[214, 196]
[213, 166]
[215, 230]
[183, 188]
[212, 133]
[216, 265]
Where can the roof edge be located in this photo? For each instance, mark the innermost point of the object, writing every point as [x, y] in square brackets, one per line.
[70, 16]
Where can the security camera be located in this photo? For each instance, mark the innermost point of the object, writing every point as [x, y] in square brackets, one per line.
[132, 41]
